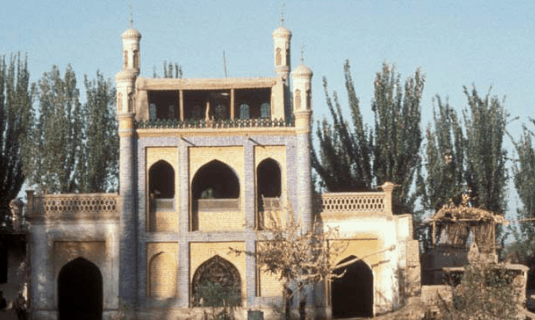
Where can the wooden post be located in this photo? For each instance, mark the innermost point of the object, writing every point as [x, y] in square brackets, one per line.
[181, 104]
[232, 104]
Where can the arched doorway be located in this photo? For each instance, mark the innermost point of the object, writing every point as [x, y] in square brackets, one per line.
[216, 277]
[80, 291]
[352, 295]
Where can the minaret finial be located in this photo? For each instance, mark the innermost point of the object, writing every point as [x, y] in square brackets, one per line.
[282, 14]
[302, 53]
[131, 15]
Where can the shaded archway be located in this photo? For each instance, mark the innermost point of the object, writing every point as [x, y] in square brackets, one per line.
[352, 295]
[268, 179]
[218, 273]
[215, 180]
[80, 291]
[162, 180]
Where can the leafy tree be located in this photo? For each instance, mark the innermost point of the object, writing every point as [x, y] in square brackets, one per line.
[444, 159]
[15, 116]
[354, 159]
[51, 160]
[397, 136]
[524, 181]
[297, 257]
[99, 155]
[344, 162]
[486, 175]
[170, 70]
[484, 291]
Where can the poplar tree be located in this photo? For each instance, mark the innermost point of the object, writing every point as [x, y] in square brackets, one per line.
[524, 181]
[354, 158]
[486, 176]
[56, 140]
[444, 159]
[397, 135]
[97, 167]
[344, 158]
[15, 114]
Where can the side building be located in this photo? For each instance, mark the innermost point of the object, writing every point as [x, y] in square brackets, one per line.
[202, 161]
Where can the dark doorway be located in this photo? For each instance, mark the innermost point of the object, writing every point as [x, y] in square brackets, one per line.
[80, 291]
[352, 295]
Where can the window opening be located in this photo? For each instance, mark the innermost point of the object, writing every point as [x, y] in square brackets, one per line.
[265, 110]
[161, 181]
[244, 111]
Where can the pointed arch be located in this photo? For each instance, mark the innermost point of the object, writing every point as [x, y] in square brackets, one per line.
[217, 271]
[352, 295]
[162, 180]
[215, 180]
[268, 179]
[162, 276]
[80, 294]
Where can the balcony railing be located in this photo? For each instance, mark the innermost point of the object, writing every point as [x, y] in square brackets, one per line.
[162, 205]
[216, 124]
[216, 205]
[358, 202]
[90, 206]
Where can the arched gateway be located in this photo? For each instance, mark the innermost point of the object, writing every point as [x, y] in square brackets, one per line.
[352, 294]
[80, 291]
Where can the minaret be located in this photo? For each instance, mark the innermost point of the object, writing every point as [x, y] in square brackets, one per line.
[302, 109]
[281, 55]
[125, 80]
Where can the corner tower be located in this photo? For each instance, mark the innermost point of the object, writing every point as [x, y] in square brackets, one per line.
[302, 108]
[125, 80]
[281, 54]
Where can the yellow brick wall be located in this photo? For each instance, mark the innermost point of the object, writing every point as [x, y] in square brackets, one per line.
[363, 246]
[268, 284]
[162, 267]
[234, 158]
[162, 221]
[226, 220]
[65, 251]
[202, 251]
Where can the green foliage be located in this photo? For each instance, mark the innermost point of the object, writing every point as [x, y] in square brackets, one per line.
[354, 158]
[486, 175]
[99, 156]
[524, 180]
[215, 295]
[445, 159]
[56, 135]
[344, 162]
[73, 146]
[15, 117]
[485, 291]
[170, 70]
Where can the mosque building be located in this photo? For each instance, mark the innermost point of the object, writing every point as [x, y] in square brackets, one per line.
[202, 162]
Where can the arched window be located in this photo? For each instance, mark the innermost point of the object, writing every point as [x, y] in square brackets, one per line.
[268, 179]
[244, 111]
[215, 180]
[161, 180]
[80, 294]
[220, 112]
[162, 276]
[152, 111]
[265, 110]
[216, 274]
[297, 99]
